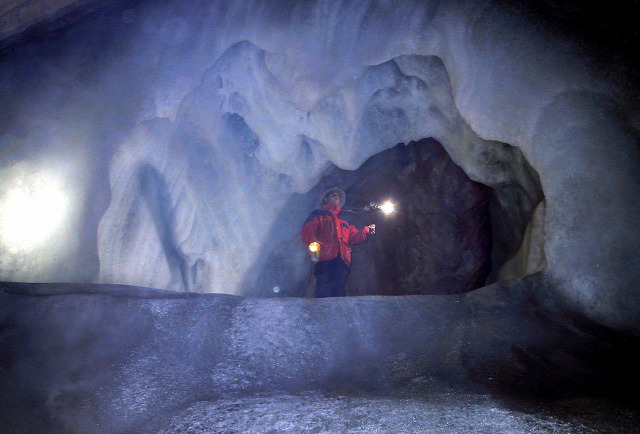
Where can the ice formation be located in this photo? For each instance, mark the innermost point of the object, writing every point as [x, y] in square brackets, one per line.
[208, 118]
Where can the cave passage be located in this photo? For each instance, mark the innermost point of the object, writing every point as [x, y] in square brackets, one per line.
[449, 234]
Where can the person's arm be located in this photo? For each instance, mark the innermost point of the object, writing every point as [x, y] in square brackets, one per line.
[358, 236]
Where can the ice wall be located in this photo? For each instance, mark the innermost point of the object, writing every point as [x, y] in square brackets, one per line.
[240, 146]
[212, 114]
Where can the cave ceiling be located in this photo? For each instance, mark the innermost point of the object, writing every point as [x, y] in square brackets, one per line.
[608, 22]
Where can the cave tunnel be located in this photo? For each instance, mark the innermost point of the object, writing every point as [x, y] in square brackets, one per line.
[450, 235]
[158, 159]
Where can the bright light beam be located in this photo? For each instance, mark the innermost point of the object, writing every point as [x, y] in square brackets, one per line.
[387, 207]
[31, 215]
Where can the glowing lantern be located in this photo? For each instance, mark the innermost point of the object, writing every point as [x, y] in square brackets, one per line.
[314, 249]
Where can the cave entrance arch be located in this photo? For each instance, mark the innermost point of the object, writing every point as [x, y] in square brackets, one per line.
[228, 150]
[457, 235]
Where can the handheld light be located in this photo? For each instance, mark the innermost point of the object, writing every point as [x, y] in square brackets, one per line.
[314, 249]
[387, 207]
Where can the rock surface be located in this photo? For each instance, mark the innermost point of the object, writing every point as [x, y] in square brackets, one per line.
[438, 241]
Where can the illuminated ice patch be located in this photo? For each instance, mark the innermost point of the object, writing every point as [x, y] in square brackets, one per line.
[31, 212]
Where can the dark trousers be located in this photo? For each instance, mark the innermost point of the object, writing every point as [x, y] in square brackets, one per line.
[331, 276]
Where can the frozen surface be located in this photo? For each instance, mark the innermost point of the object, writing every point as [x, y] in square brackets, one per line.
[446, 411]
[105, 358]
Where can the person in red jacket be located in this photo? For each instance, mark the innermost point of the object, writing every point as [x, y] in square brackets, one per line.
[335, 237]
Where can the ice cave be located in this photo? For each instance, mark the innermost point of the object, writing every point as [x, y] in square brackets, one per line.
[158, 160]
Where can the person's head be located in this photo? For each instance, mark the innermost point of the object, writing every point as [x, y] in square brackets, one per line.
[333, 196]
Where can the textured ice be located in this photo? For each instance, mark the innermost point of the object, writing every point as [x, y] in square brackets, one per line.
[99, 358]
[446, 411]
[211, 159]
[207, 119]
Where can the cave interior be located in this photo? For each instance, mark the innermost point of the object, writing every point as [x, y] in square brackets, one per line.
[158, 159]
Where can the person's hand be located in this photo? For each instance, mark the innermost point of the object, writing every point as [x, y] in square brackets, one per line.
[372, 229]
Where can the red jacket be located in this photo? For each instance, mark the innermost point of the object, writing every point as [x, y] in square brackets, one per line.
[321, 227]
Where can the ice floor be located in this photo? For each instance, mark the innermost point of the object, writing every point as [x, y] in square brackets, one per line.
[442, 412]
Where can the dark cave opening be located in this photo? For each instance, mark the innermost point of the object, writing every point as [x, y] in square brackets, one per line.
[439, 240]
[449, 234]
